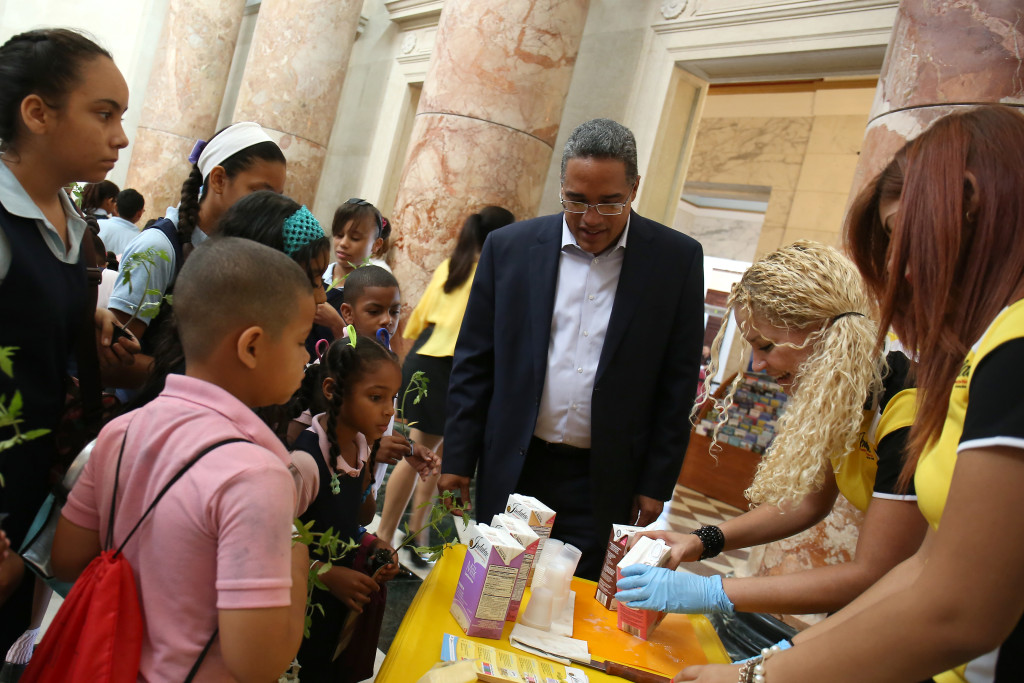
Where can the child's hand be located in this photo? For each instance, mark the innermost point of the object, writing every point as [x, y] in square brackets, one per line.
[392, 449]
[329, 317]
[424, 461]
[390, 570]
[4, 545]
[352, 587]
[115, 345]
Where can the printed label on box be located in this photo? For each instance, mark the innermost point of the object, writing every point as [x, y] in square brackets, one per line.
[617, 542]
[487, 581]
[530, 541]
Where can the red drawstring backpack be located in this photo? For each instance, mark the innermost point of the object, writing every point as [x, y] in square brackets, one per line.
[97, 633]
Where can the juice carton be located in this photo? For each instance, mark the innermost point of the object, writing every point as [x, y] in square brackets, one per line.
[527, 538]
[617, 542]
[487, 582]
[642, 622]
[535, 513]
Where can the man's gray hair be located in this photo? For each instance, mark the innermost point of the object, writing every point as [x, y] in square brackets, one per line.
[602, 139]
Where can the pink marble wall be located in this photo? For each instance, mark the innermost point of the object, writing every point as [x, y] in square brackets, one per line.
[943, 53]
[293, 79]
[486, 124]
[183, 98]
[831, 541]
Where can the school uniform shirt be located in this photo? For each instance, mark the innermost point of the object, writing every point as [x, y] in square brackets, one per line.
[17, 201]
[983, 412]
[128, 299]
[872, 469]
[117, 233]
[220, 538]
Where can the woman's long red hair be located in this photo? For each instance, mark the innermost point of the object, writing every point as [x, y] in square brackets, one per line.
[955, 258]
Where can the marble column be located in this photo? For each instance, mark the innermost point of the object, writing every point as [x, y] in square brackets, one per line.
[943, 54]
[293, 79]
[183, 98]
[486, 124]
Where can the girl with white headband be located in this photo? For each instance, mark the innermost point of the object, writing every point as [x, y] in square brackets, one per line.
[237, 161]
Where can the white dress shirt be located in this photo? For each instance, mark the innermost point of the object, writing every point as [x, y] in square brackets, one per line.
[584, 295]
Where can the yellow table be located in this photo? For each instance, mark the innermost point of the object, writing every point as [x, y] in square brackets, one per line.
[679, 641]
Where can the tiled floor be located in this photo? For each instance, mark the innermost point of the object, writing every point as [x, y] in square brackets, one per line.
[690, 510]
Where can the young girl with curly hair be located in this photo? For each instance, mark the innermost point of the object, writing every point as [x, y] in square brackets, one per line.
[804, 312]
[943, 257]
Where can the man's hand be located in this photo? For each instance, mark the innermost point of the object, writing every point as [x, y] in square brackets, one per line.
[645, 510]
[683, 547]
[393, 447]
[113, 352]
[424, 461]
[460, 486]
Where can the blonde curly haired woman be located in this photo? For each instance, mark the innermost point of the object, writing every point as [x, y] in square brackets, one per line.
[806, 316]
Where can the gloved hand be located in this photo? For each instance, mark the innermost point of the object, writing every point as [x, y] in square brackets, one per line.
[657, 588]
[783, 644]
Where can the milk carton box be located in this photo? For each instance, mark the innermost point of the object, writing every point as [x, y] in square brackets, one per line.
[527, 538]
[487, 581]
[535, 513]
[618, 540]
[642, 622]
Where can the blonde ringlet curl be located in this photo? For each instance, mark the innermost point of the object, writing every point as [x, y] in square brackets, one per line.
[803, 286]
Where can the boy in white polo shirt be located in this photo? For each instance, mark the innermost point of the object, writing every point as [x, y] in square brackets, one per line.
[216, 552]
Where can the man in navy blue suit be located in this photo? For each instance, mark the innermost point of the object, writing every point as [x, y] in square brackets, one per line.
[575, 367]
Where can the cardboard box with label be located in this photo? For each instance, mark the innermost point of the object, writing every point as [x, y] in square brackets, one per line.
[487, 582]
[535, 513]
[618, 541]
[652, 552]
[530, 541]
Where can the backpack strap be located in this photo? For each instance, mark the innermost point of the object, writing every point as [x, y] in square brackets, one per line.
[202, 655]
[170, 230]
[180, 473]
[185, 468]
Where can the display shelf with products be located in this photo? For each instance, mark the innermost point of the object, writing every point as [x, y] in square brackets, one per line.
[752, 418]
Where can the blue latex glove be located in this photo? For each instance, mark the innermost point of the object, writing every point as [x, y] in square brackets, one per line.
[657, 588]
[783, 644]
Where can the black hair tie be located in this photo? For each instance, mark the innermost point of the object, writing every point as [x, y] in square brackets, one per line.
[843, 315]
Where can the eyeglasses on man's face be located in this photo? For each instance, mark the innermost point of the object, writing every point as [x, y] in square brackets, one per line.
[613, 209]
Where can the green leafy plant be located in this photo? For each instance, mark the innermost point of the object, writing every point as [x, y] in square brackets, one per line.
[147, 260]
[418, 385]
[10, 412]
[327, 544]
[441, 506]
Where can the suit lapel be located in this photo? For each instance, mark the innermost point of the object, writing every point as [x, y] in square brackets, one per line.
[633, 279]
[543, 280]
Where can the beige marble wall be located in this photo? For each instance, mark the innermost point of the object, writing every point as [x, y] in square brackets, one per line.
[293, 79]
[803, 142]
[186, 85]
[766, 151]
[941, 54]
[486, 124]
